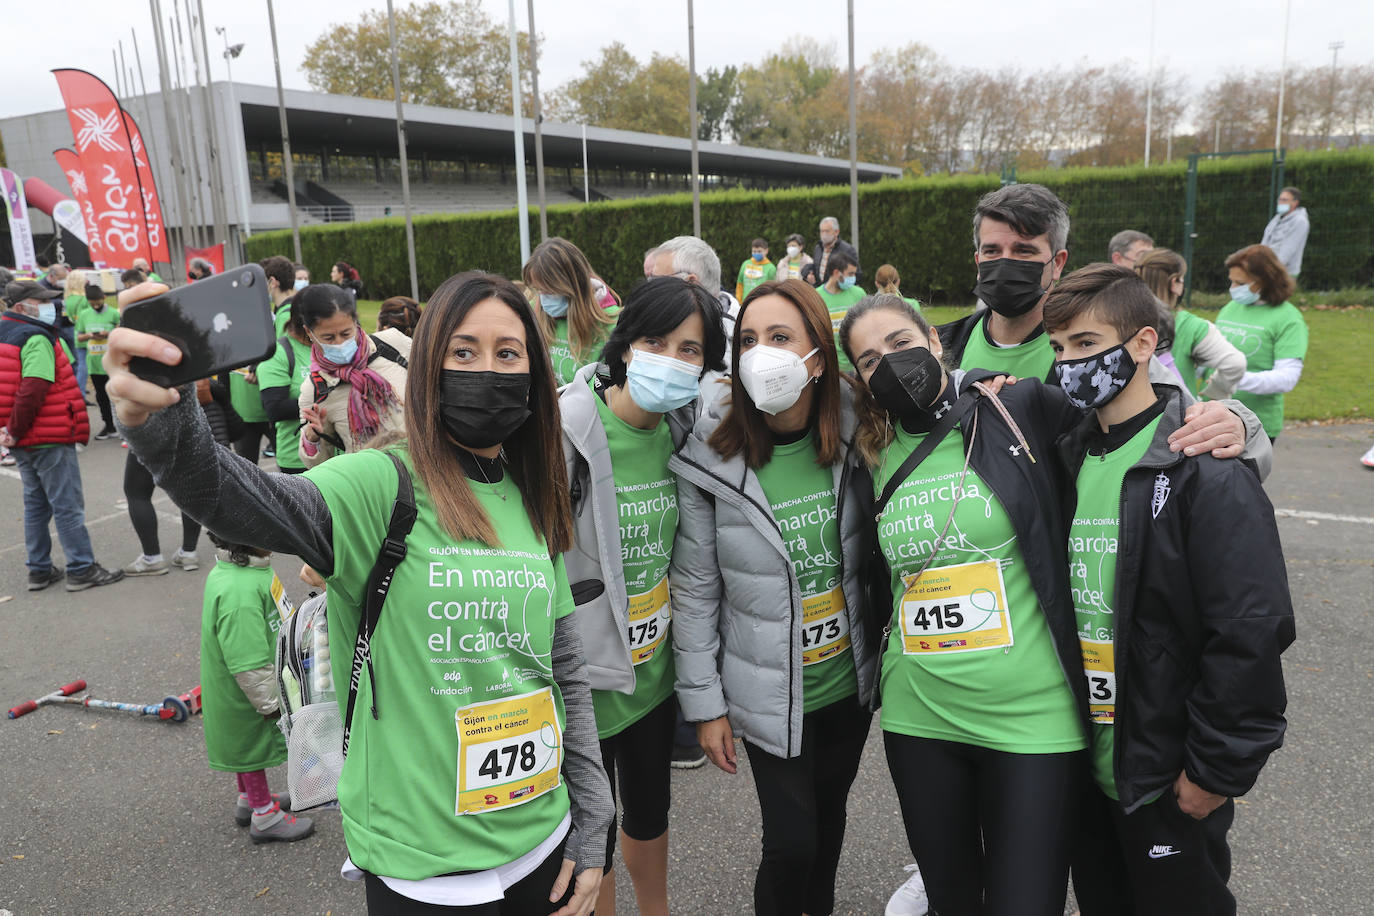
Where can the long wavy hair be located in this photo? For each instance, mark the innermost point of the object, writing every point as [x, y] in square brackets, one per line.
[534, 452]
[559, 266]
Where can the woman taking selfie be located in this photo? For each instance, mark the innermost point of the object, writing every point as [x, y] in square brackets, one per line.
[770, 633]
[480, 612]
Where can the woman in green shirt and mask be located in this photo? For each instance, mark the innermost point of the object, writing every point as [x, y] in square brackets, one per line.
[473, 779]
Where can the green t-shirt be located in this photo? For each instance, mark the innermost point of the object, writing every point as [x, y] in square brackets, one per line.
[1265, 334]
[239, 619]
[96, 322]
[74, 305]
[646, 504]
[565, 362]
[837, 304]
[38, 358]
[753, 273]
[970, 658]
[246, 396]
[1188, 333]
[1030, 359]
[464, 681]
[273, 373]
[1093, 540]
[281, 315]
[914, 303]
[802, 497]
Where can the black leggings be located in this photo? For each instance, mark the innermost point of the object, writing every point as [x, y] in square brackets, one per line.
[991, 830]
[642, 754]
[249, 444]
[527, 897]
[138, 490]
[103, 399]
[803, 802]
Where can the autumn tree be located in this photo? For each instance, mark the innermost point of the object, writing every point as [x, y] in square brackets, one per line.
[451, 54]
[617, 90]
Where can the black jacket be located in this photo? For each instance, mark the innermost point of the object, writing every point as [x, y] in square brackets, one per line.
[815, 268]
[1029, 491]
[954, 337]
[1202, 613]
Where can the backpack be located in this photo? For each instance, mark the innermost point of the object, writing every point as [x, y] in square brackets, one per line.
[316, 735]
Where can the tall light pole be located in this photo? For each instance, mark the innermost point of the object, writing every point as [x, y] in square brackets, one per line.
[285, 136]
[538, 130]
[1150, 86]
[853, 141]
[522, 202]
[1335, 47]
[692, 104]
[245, 201]
[401, 144]
[1283, 76]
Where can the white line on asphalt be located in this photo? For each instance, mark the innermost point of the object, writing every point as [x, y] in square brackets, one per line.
[1324, 516]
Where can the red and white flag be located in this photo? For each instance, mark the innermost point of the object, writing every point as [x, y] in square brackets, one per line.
[152, 207]
[70, 164]
[105, 148]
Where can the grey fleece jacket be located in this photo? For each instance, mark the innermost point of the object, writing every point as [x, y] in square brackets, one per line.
[286, 513]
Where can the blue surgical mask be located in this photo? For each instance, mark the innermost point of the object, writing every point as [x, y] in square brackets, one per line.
[47, 313]
[300, 285]
[555, 306]
[758, 256]
[848, 282]
[1283, 208]
[1244, 295]
[340, 354]
[659, 384]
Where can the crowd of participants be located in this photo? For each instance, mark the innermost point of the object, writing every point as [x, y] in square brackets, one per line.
[677, 518]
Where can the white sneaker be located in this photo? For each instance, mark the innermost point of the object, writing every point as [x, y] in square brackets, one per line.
[1368, 459]
[141, 566]
[187, 561]
[910, 899]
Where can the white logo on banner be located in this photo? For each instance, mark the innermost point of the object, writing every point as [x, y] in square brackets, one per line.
[98, 130]
[77, 180]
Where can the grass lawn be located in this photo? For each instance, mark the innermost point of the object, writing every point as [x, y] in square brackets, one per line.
[1334, 382]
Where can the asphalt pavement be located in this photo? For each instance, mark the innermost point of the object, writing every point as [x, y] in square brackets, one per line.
[106, 813]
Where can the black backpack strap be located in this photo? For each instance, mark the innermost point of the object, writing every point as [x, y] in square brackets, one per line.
[392, 552]
[284, 341]
[386, 351]
[957, 412]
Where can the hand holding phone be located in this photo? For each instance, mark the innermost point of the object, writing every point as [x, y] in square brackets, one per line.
[217, 324]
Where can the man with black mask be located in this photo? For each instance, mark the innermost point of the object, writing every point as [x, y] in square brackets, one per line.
[1020, 238]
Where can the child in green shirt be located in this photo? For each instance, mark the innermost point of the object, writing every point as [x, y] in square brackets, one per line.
[755, 270]
[1182, 606]
[243, 608]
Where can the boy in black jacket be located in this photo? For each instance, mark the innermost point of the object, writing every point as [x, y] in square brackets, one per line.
[1183, 609]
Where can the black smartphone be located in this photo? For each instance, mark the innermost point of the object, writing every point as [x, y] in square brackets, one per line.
[219, 323]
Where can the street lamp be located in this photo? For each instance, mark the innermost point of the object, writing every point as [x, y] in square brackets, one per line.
[231, 52]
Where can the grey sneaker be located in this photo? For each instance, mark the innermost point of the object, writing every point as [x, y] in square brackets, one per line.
[141, 567]
[276, 826]
[187, 561]
[91, 576]
[243, 812]
[687, 758]
[41, 580]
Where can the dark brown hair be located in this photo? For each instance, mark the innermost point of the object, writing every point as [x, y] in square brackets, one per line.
[401, 313]
[1114, 294]
[1158, 268]
[1264, 268]
[534, 451]
[744, 429]
[873, 431]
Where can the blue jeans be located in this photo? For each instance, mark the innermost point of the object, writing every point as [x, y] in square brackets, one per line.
[81, 372]
[52, 490]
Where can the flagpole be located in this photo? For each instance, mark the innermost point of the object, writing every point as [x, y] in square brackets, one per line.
[521, 193]
[285, 136]
[692, 103]
[187, 124]
[212, 124]
[178, 162]
[538, 130]
[401, 144]
[853, 141]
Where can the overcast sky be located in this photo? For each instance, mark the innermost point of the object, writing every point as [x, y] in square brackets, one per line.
[1199, 38]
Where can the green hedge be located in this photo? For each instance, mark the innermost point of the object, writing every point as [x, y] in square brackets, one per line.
[922, 226]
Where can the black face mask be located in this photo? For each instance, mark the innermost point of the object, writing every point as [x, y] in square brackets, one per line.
[906, 384]
[1010, 287]
[482, 409]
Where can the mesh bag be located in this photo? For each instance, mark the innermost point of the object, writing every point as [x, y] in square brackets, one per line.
[310, 719]
[314, 755]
